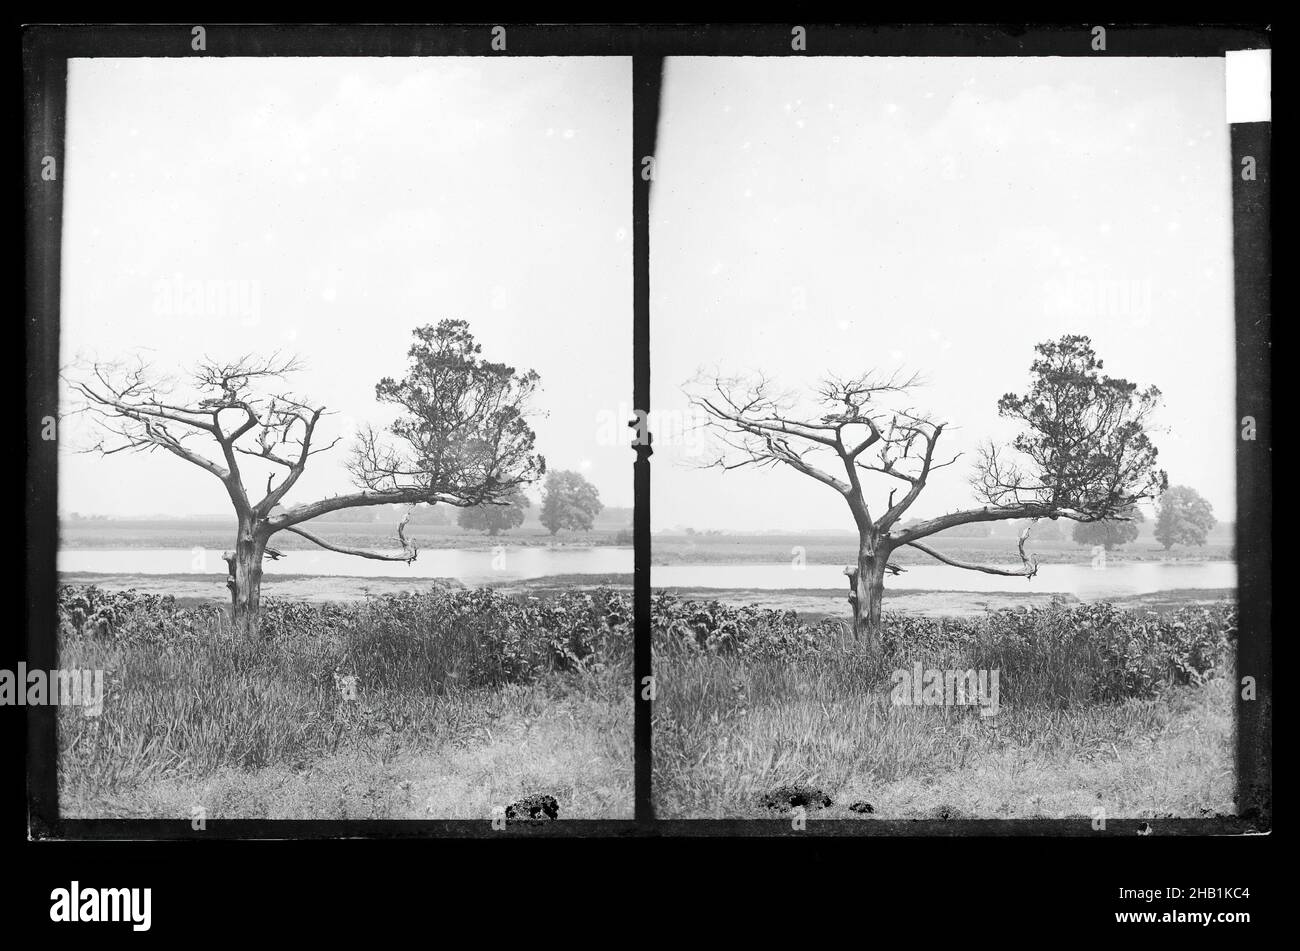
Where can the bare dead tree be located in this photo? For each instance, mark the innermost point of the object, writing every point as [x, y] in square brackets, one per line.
[1084, 453]
[462, 438]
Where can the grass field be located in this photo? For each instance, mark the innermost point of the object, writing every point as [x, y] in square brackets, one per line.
[380, 535]
[1127, 711]
[460, 703]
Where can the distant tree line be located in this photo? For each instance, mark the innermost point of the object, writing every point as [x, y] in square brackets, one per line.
[569, 502]
[1111, 533]
[1183, 517]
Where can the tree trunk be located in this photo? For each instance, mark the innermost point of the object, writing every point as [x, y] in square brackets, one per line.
[245, 576]
[867, 582]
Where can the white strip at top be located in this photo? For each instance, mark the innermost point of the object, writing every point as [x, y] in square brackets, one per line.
[1248, 75]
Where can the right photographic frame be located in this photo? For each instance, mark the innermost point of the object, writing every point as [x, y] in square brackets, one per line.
[955, 432]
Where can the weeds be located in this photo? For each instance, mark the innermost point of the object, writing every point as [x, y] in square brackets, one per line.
[187, 696]
[1133, 708]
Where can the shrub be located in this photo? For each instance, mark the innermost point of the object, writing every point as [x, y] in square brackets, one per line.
[477, 638]
[1061, 653]
[713, 627]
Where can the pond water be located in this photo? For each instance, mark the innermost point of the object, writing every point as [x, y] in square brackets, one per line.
[470, 567]
[488, 566]
[1084, 581]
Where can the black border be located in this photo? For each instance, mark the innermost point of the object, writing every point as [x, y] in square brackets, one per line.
[45, 51]
[647, 78]
[1252, 251]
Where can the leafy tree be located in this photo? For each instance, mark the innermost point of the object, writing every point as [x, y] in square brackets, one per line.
[1083, 452]
[495, 519]
[569, 501]
[461, 437]
[1111, 533]
[1183, 517]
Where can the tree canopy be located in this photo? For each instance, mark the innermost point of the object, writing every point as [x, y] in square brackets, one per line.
[569, 501]
[1110, 533]
[495, 519]
[1183, 517]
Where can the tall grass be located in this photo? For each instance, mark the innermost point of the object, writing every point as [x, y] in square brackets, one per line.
[751, 699]
[1060, 654]
[187, 695]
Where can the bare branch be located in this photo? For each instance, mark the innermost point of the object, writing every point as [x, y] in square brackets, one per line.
[1028, 571]
[408, 554]
[986, 514]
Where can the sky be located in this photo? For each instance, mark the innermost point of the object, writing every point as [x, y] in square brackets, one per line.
[938, 216]
[327, 207]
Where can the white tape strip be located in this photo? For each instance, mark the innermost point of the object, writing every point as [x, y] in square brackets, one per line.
[1248, 74]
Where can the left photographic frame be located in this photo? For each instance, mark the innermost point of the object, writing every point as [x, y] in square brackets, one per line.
[344, 502]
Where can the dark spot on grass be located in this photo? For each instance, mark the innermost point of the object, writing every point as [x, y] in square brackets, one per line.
[795, 795]
[535, 808]
[945, 811]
